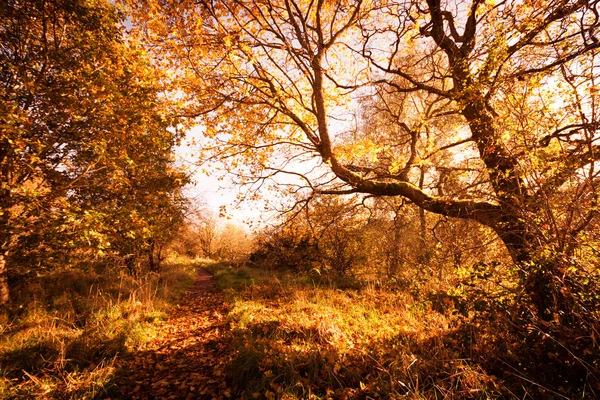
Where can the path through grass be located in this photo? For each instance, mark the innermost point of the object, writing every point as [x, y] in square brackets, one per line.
[188, 358]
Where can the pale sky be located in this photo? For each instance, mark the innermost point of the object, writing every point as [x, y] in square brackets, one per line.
[208, 191]
[214, 189]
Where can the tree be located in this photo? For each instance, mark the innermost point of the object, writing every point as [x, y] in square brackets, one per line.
[270, 78]
[207, 228]
[86, 161]
[233, 243]
[338, 227]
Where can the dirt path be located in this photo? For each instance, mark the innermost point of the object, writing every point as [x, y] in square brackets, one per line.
[188, 359]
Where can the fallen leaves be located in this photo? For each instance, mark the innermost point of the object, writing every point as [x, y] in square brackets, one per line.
[188, 359]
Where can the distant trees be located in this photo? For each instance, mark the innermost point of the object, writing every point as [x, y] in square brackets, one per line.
[380, 239]
[86, 162]
[234, 243]
[207, 231]
[206, 235]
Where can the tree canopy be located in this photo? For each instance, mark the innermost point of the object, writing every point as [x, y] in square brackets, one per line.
[497, 97]
[86, 153]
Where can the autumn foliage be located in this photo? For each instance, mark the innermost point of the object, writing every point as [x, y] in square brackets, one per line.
[434, 166]
[86, 158]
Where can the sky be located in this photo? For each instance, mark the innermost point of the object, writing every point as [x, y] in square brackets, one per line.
[214, 189]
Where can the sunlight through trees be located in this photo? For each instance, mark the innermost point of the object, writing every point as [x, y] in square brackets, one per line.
[442, 152]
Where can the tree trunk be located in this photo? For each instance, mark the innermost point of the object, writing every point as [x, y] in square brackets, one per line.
[5, 206]
[154, 255]
[424, 256]
[159, 256]
[512, 194]
[4, 293]
[151, 262]
[537, 276]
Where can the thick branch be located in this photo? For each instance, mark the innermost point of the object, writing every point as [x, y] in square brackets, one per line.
[485, 212]
[567, 131]
[572, 163]
[437, 31]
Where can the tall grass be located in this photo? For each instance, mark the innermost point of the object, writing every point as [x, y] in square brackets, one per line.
[299, 337]
[65, 330]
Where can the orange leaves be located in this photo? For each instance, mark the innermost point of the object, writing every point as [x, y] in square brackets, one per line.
[188, 359]
[365, 150]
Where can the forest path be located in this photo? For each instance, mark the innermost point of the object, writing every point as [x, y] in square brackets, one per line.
[188, 358]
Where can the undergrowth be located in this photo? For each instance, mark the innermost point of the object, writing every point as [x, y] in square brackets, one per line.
[301, 337]
[65, 330]
[308, 337]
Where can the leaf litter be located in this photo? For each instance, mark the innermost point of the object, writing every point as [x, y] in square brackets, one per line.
[189, 357]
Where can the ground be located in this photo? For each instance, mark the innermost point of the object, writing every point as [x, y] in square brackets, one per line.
[188, 359]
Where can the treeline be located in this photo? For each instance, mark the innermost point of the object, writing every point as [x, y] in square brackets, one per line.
[384, 239]
[206, 236]
[87, 168]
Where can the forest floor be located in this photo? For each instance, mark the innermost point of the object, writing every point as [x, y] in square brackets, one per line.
[187, 360]
[255, 334]
[213, 330]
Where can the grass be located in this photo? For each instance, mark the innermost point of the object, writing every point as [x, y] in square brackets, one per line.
[65, 331]
[294, 336]
[297, 337]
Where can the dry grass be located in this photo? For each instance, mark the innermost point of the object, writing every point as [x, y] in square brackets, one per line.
[295, 337]
[66, 330]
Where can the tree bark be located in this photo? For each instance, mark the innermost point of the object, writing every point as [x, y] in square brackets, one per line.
[151, 262]
[5, 203]
[4, 290]
[425, 253]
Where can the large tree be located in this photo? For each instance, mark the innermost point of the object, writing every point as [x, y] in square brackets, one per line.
[86, 153]
[501, 93]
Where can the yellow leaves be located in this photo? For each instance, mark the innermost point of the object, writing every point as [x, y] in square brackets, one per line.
[199, 23]
[247, 50]
[364, 150]
[336, 368]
